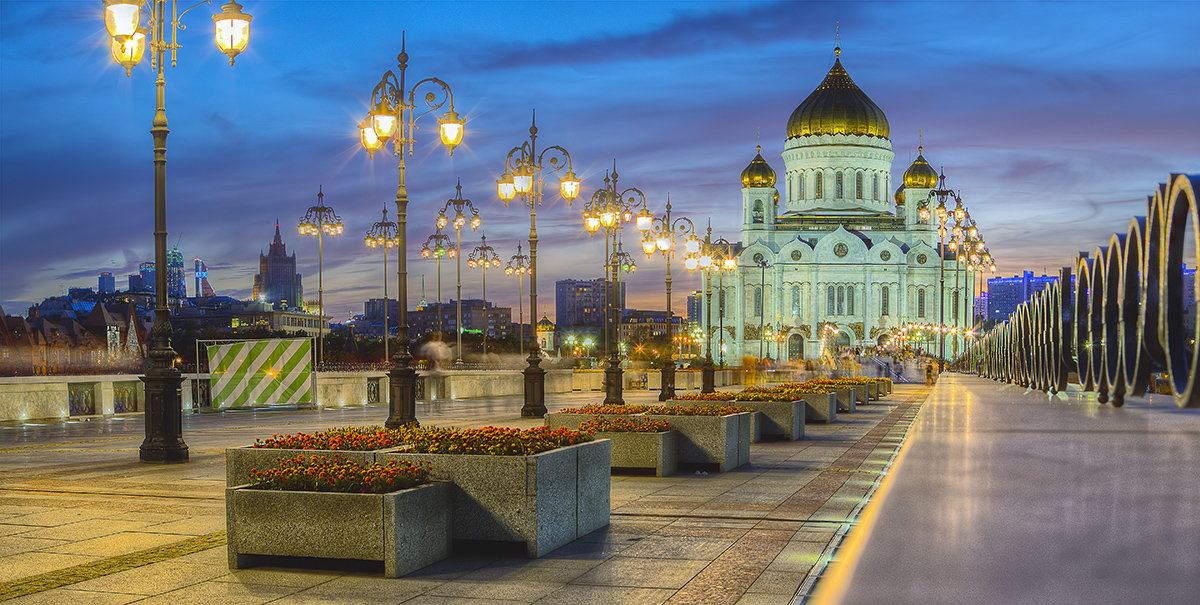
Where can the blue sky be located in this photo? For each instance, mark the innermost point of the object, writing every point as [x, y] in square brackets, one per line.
[1055, 120]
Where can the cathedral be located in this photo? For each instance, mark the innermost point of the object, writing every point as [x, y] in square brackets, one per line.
[827, 256]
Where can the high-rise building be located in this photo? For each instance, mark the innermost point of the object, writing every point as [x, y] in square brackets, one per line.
[136, 283]
[476, 316]
[108, 284]
[176, 288]
[1005, 294]
[203, 289]
[583, 303]
[146, 271]
[695, 302]
[277, 281]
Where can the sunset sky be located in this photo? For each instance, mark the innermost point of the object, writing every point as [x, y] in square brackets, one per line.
[1054, 120]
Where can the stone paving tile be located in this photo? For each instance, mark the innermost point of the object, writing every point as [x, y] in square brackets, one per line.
[760, 598]
[10, 530]
[560, 571]
[219, 593]
[115, 544]
[643, 573]
[150, 579]
[55, 517]
[62, 596]
[679, 547]
[574, 594]
[15, 545]
[502, 590]
[192, 526]
[776, 583]
[28, 564]
[277, 576]
[373, 589]
[84, 530]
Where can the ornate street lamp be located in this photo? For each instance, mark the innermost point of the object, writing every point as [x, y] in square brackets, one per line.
[942, 195]
[393, 116]
[611, 209]
[714, 257]
[437, 246]
[519, 265]
[122, 19]
[484, 257]
[384, 234]
[524, 168]
[318, 221]
[459, 206]
[660, 234]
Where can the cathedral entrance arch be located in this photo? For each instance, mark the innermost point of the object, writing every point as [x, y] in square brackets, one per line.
[843, 339]
[795, 347]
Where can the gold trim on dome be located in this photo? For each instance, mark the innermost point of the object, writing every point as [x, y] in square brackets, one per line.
[838, 106]
[759, 173]
[920, 175]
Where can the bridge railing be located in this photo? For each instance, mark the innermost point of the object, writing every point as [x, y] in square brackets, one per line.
[1116, 316]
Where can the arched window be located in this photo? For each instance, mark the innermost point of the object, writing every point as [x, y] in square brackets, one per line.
[795, 300]
[800, 184]
[875, 187]
[758, 211]
[850, 300]
[758, 301]
[858, 186]
[819, 185]
[837, 185]
[883, 301]
[921, 303]
[841, 303]
[829, 306]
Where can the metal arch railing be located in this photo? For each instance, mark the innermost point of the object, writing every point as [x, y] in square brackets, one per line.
[1120, 321]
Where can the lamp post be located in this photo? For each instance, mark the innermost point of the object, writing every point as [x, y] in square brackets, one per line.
[320, 220]
[483, 257]
[713, 257]
[441, 246]
[519, 265]
[384, 234]
[393, 115]
[524, 167]
[460, 206]
[942, 195]
[762, 310]
[659, 233]
[164, 416]
[610, 209]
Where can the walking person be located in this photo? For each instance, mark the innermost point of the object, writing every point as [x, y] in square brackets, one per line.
[929, 374]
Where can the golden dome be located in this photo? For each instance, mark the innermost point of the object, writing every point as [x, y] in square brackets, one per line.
[758, 173]
[899, 197]
[920, 175]
[838, 106]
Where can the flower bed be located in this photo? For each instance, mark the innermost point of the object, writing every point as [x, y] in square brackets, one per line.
[695, 410]
[545, 498]
[356, 444]
[715, 396]
[571, 418]
[600, 424]
[301, 508]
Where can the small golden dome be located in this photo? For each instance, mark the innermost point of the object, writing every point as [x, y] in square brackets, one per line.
[899, 195]
[920, 175]
[838, 106]
[758, 173]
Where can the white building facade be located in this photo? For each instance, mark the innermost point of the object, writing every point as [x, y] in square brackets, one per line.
[833, 247]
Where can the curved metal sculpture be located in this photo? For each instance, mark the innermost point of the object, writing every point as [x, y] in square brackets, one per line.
[1119, 321]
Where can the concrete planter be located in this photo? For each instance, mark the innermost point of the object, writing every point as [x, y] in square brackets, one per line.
[406, 529]
[545, 500]
[821, 407]
[861, 394]
[572, 421]
[723, 441]
[873, 391]
[656, 451]
[240, 460]
[779, 419]
[846, 399]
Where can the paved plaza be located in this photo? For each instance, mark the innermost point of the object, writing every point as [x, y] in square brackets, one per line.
[998, 495]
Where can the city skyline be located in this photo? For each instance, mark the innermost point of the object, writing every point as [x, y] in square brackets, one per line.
[1054, 120]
